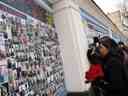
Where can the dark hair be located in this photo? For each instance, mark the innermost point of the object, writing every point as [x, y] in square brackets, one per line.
[95, 39]
[93, 57]
[108, 42]
[112, 46]
[121, 43]
[125, 48]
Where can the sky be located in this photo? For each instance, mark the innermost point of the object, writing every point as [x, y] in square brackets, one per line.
[109, 5]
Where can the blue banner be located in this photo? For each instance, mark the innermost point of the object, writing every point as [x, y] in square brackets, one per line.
[22, 5]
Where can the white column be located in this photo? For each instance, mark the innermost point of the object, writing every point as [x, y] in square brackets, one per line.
[73, 44]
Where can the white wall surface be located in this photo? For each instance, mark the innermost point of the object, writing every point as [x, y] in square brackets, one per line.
[73, 44]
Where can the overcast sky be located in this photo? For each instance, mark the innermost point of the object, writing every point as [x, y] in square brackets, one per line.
[109, 5]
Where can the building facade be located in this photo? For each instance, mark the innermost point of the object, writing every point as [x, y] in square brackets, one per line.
[120, 20]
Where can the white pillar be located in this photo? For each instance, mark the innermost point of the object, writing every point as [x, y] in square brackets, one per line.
[73, 44]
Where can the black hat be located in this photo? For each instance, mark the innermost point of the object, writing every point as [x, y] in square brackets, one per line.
[96, 39]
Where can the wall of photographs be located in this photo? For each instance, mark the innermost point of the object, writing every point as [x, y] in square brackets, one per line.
[30, 60]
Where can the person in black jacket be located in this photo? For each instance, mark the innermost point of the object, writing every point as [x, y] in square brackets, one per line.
[112, 59]
[95, 74]
[124, 49]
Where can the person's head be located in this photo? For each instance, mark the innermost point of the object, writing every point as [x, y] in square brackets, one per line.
[121, 44]
[106, 45]
[96, 41]
[93, 57]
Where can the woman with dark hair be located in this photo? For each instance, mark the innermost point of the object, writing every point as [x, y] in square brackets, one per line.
[95, 71]
[124, 49]
[112, 59]
[122, 46]
[95, 74]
